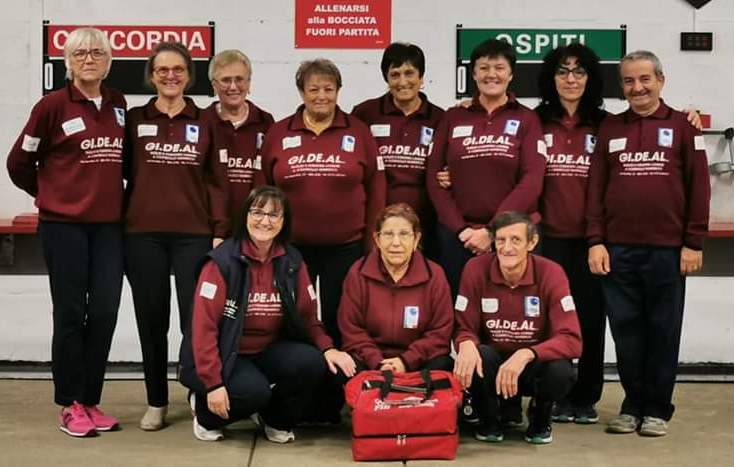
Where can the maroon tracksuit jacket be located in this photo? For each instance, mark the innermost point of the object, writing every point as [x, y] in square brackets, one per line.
[69, 156]
[496, 163]
[239, 148]
[380, 319]
[649, 182]
[570, 147]
[335, 181]
[176, 183]
[404, 142]
[538, 313]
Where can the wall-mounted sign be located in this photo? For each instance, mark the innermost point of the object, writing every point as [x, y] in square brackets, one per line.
[131, 46]
[343, 24]
[531, 45]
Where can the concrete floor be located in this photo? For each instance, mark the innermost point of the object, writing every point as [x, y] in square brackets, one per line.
[701, 434]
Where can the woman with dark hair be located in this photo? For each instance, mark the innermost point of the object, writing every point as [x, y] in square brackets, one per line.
[403, 122]
[570, 110]
[495, 152]
[396, 312]
[176, 210]
[256, 344]
[69, 158]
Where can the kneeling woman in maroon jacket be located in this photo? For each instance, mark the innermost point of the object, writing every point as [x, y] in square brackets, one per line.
[256, 344]
[396, 312]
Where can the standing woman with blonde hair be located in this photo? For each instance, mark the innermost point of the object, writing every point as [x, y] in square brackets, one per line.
[238, 125]
[69, 158]
[176, 211]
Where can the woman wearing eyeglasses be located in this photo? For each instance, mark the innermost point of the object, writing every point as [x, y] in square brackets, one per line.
[256, 344]
[176, 210]
[69, 158]
[238, 125]
[396, 311]
[570, 85]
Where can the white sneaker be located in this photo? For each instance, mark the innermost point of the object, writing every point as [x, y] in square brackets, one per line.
[278, 436]
[154, 418]
[201, 433]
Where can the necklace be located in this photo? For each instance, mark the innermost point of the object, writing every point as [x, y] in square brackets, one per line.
[173, 109]
[317, 127]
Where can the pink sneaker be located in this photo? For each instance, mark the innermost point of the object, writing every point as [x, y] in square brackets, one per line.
[74, 421]
[101, 421]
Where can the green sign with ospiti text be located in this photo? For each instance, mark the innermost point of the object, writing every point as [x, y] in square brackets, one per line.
[531, 45]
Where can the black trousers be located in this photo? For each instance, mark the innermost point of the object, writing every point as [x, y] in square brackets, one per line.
[84, 264]
[330, 263]
[644, 293]
[572, 255]
[277, 383]
[452, 257]
[546, 381]
[149, 259]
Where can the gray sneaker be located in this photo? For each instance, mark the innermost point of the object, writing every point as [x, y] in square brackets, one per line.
[623, 423]
[653, 426]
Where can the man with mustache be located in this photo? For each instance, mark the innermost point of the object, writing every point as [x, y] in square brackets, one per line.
[647, 212]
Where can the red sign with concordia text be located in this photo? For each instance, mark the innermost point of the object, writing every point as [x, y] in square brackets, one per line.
[139, 41]
[343, 24]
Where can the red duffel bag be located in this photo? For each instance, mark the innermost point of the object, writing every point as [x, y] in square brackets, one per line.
[404, 416]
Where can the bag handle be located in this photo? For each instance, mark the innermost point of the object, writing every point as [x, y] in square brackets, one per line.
[426, 375]
[385, 388]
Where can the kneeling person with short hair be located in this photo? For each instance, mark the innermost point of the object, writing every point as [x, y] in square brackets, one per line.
[516, 330]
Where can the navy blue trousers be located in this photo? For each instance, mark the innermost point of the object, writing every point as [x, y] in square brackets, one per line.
[644, 293]
[84, 264]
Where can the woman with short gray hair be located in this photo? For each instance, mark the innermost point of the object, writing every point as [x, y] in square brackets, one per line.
[69, 158]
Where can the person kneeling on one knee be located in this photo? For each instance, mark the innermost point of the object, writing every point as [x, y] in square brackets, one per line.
[516, 331]
[256, 348]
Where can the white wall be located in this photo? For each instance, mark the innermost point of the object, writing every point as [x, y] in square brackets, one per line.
[264, 30]
[25, 314]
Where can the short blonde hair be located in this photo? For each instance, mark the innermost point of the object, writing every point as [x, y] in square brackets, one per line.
[227, 57]
[81, 36]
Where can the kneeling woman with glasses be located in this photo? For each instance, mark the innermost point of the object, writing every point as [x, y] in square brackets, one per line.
[256, 344]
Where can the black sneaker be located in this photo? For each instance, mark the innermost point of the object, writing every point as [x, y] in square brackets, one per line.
[586, 415]
[563, 412]
[469, 414]
[539, 417]
[511, 412]
[489, 433]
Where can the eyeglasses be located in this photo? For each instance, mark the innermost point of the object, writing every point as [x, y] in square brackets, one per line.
[226, 82]
[259, 214]
[578, 72]
[81, 54]
[164, 71]
[403, 235]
